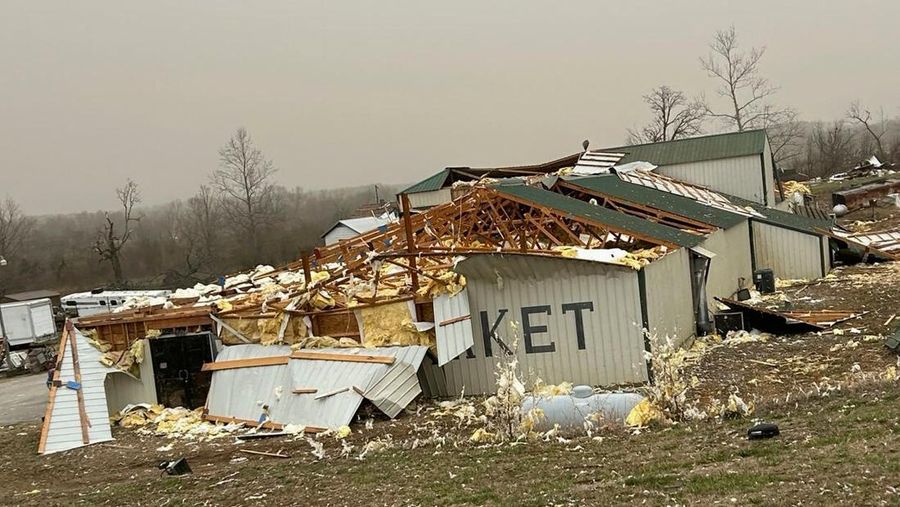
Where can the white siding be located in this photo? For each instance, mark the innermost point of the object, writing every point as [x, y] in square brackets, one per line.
[789, 253]
[338, 233]
[455, 338]
[670, 308]
[64, 430]
[732, 262]
[738, 176]
[613, 341]
[428, 199]
[826, 255]
[122, 389]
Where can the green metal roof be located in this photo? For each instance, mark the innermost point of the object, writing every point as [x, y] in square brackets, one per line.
[433, 182]
[783, 218]
[599, 214]
[614, 187]
[696, 149]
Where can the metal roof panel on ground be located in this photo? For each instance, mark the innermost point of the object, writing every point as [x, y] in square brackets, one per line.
[696, 149]
[613, 186]
[620, 221]
[241, 393]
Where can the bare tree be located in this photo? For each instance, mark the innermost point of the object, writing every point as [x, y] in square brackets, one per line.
[243, 178]
[739, 80]
[14, 228]
[109, 242]
[674, 117]
[785, 132]
[876, 128]
[833, 144]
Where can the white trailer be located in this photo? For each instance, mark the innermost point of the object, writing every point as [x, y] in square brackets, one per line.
[28, 322]
[82, 304]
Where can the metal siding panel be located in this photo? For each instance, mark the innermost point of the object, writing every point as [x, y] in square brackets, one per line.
[614, 344]
[395, 390]
[670, 297]
[452, 339]
[738, 176]
[790, 254]
[338, 233]
[429, 199]
[732, 262]
[241, 392]
[64, 430]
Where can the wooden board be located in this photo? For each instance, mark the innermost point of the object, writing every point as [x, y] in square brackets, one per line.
[352, 358]
[246, 363]
[268, 425]
[45, 427]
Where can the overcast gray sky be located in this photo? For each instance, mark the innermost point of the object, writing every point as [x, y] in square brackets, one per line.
[349, 93]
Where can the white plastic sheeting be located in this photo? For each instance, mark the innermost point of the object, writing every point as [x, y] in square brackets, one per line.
[454, 337]
[254, 393]
[63, 424]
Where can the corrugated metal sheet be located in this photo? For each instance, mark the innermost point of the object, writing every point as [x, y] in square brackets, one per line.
[732, 262]
[593, 160]
[789, 253]
[670, 309]
[433, 182]
[646, 195]
[702, 195]
[428, 199]
[241, 393]
[612, 351]
[740, 176]
[601, 215]
[395, 390]
[888, 241]
[64, 430]
[455, 338]
[697, 149]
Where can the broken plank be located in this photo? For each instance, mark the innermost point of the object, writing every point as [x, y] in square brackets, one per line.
[246, 363]
[352, 358]
[261, 453]
[305, 390]
[454, 320]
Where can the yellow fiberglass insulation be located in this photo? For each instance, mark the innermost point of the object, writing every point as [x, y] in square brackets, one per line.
[264, 331]
[392, 324]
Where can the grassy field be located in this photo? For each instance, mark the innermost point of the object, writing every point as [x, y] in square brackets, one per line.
[841, 448]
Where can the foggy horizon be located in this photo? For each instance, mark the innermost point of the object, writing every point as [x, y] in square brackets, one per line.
[344, 95]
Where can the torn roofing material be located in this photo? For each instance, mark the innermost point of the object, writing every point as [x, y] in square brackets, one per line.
[620, 222]
[696, 149]
[771, 321]
[449, 175]
[700, 194]
[597, 161]
[313, 393]
[887, 242]
[615, 187]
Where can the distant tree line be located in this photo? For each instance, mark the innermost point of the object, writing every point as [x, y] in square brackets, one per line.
[241, 218]
[745, 101]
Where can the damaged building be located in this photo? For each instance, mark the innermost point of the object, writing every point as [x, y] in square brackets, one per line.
[576, 266]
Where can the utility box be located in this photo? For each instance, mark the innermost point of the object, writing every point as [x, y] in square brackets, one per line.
[28, 322]
[764, 280]
[728, 321]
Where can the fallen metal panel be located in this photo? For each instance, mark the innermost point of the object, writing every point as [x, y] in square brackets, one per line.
[453, 331]
[249, 393]
[770, 321]
[395, 390]
[63, 430]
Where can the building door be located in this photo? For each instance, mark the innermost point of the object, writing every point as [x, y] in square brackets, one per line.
[177, 361]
